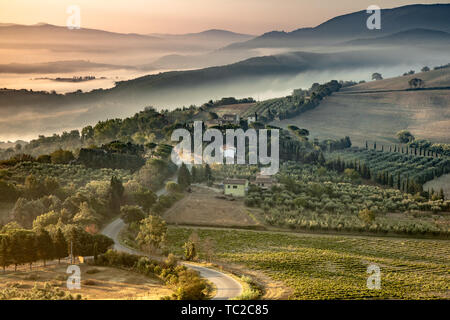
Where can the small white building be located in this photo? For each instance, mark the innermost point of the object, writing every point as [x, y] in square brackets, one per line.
[252, 119]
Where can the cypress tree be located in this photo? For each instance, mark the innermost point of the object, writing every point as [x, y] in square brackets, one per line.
[208, 173]
[116, 191]
[194, 174]
[184, 177]
[60, 244]
[441, 194]
[45, 246]
[5, 257]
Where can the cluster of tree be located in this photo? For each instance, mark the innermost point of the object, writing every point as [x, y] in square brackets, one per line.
[187, 284]
[405, 136]
[201, 174]
[144, 127]
[152, 233]
[56, 157]
[33, 188]
[382, 177]
[293, 105]
[136, 195]
[21, 246]
[227, 101]
[301, 133]
[86, 208]
[8, 192]
[312, 197]
[428, 148]
[330, 145]
[415, 83]
[156, 170]
[442, 67]
[406, 172]
[377, 76]
[100, 158]
[414, 147]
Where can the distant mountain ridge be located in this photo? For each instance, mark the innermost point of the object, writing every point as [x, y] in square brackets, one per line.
[210, 32]
[413, 36]
[353, 25]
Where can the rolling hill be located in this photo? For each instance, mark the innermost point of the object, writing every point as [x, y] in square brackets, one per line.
[377, 110]
[23, 112]
[412, 37]
[353, 26]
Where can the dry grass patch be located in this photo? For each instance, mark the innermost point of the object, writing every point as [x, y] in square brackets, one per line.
[208, 208]
[104, 284]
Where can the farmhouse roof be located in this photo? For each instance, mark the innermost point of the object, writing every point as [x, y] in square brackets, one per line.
[235, 181]
[228, 115]
[264, 179]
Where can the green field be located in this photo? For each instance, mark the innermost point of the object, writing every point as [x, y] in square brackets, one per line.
[334, 267]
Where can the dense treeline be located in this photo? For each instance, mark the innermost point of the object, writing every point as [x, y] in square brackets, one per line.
[144, 127]
[187, 284]
[20, 246]
[314, 198]
[425, 147]
[406, 172]
[295, 104]
[150, 126]
[227, 101]
[98, 158]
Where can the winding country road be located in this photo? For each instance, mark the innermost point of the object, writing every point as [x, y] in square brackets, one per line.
[226, 287]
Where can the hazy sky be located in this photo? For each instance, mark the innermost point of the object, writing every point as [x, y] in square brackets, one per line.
[181, 16]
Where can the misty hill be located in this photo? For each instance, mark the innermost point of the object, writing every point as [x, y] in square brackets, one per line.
[46, 33]
[11, 144]
[377, 110]
[412, 37]
[60, 40]
[211, 35]
[23, 112]
[57, 67]
[352, 26]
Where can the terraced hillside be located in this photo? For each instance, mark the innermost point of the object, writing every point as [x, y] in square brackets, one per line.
[377, 110]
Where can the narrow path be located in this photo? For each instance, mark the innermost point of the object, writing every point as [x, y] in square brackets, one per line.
[226, 287]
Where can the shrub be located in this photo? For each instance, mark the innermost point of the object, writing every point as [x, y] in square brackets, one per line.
[366, 215]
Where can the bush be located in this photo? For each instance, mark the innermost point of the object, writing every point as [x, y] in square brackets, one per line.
[191, 286]
[366, 215]
[131, 214]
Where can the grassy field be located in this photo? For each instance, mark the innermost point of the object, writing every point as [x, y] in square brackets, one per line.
[379, 116]
[334, 267]
[208, 208]
[97, 283]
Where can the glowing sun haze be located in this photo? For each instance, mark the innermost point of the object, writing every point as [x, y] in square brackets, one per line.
[182, 16]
